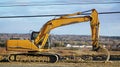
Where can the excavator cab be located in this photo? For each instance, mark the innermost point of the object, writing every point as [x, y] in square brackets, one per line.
[34, 34]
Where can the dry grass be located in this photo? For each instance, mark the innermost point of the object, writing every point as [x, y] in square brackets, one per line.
[60, 64]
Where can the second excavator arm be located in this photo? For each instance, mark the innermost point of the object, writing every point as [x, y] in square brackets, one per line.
[43, 35]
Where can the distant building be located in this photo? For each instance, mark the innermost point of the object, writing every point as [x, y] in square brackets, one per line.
[68, 45]
[80, 46]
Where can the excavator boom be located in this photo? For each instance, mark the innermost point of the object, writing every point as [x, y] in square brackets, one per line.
[66, 20]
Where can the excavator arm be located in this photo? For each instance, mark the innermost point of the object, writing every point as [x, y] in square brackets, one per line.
[95, 26]
[43, 35]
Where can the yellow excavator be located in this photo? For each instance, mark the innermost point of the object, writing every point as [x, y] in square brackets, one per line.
[37, 47]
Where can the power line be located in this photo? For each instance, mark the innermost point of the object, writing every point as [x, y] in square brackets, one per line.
[52, 4]
[117, 12]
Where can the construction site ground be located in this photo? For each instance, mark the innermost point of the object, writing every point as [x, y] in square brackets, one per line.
[63, 52]
[20, 64]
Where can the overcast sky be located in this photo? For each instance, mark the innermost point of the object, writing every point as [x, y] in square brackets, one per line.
[109, 24]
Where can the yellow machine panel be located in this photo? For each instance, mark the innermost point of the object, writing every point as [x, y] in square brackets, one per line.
[21, 45]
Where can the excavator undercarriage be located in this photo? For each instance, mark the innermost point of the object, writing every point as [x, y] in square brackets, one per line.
[34, 57]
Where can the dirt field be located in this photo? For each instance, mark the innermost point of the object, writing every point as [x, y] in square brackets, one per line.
[18, 64]
[60, 64]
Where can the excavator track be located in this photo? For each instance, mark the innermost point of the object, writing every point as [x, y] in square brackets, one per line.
[34, 57]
